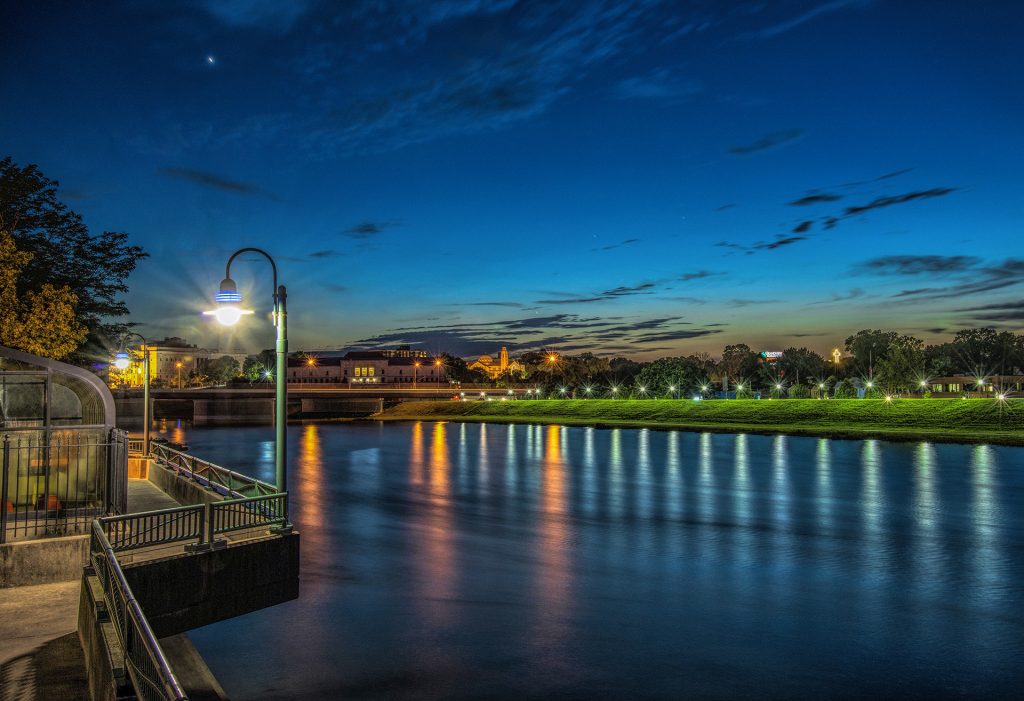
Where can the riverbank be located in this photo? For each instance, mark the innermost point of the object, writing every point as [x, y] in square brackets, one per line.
[944, 420]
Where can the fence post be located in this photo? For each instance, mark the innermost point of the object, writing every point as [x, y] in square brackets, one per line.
[4, 490]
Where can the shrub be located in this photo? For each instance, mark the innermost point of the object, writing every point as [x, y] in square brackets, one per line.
[845, 390]
[799, 392]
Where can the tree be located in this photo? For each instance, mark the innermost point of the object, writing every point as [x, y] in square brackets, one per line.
[845, 390]
[984, 351]
[42, 322]
[738, 362]
[800, 365]
[93, 268]
[681, 373]
[868, 347]
[799, 392]
[902, 368]
[257, 366]
[223, 369]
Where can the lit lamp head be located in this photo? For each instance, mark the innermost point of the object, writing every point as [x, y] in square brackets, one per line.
[229, 304]
[122, 360]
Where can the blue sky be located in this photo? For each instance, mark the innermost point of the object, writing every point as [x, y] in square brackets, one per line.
[648, 178]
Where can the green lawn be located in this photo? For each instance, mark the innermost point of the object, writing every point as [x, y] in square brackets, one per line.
[971, 420]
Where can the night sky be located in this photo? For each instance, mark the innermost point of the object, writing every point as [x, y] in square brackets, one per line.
[643, 178]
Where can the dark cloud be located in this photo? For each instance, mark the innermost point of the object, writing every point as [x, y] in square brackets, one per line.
[886, 176]
[678, 335]
[779, 242]
[888, 201]
[973, 281]
[517, 305]
[803, 227]
[324, 254]
[724, 207]
[699, 275]
[916, 265]
[815, 198]
[855, 293]
[333, 287]
[998, 312]
[216, 182]
[768, 141]
[627, 242]
[367, 229]
[879, 202]
[622, 291]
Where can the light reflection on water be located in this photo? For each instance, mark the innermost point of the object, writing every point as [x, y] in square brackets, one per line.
[463, 561]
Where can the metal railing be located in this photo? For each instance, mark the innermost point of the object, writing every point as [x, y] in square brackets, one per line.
[224, 481]
[54, 483]
[148, 668]
[197, 525]
[136, 446]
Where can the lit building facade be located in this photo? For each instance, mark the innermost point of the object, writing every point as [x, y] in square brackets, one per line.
[171, 361]
[401, 366]
[495, 369]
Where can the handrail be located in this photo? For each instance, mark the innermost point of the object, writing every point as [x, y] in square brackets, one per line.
[199, 524]
[150, 672]
[227, 482]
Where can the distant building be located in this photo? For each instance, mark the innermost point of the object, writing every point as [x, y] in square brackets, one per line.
[494, 370]
[401, 366]
[170, 360]
[968, 385]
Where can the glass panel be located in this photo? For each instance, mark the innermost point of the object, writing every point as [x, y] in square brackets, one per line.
[22, 400]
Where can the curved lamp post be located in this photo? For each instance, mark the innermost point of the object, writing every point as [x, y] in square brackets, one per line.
[121, 361]
[228, 312]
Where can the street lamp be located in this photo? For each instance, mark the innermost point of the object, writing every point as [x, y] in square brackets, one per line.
[415, 369]
[121, 361]
[228, 313]
[178, 365]
[437, 364]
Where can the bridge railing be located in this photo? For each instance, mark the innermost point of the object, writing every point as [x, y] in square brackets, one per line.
[226, 482]
[197, 525]
[148, 668]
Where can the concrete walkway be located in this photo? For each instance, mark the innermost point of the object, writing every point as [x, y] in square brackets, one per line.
[143, 495]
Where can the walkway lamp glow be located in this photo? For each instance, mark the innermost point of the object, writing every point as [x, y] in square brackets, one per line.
[561, 390]
[703, 388]
[228, 312]
[122, 360]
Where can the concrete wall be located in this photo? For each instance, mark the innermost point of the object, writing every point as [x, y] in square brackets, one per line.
[181, 489]
[188, 591]
[104, 657]
[43, 561]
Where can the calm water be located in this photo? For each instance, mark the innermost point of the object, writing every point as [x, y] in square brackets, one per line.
[461, 561]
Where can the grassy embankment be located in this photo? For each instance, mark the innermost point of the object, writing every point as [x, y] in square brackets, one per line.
[956, 420]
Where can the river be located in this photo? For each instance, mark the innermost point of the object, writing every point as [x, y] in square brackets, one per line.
[469, 561]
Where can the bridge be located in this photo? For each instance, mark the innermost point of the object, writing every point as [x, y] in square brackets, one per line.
[256, 404]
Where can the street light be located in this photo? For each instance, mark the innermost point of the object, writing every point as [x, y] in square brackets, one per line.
[415, 369]
[121, 361]
[228, 313]
[179, 365]
[437, 364]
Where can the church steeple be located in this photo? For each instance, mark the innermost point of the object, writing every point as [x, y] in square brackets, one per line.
[503, 359]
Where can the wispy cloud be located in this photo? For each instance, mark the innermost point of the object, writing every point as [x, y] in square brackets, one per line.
[888, 201]
[367, 229]
[806, 16]
[658, 84]
[612, 247]
[816, 198]
[768, 141]
[916, 265]
[216, 182]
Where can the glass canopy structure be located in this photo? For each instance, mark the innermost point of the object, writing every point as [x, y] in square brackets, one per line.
[63, 462]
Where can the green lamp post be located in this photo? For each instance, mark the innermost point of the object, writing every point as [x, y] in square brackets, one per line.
[228, 312]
